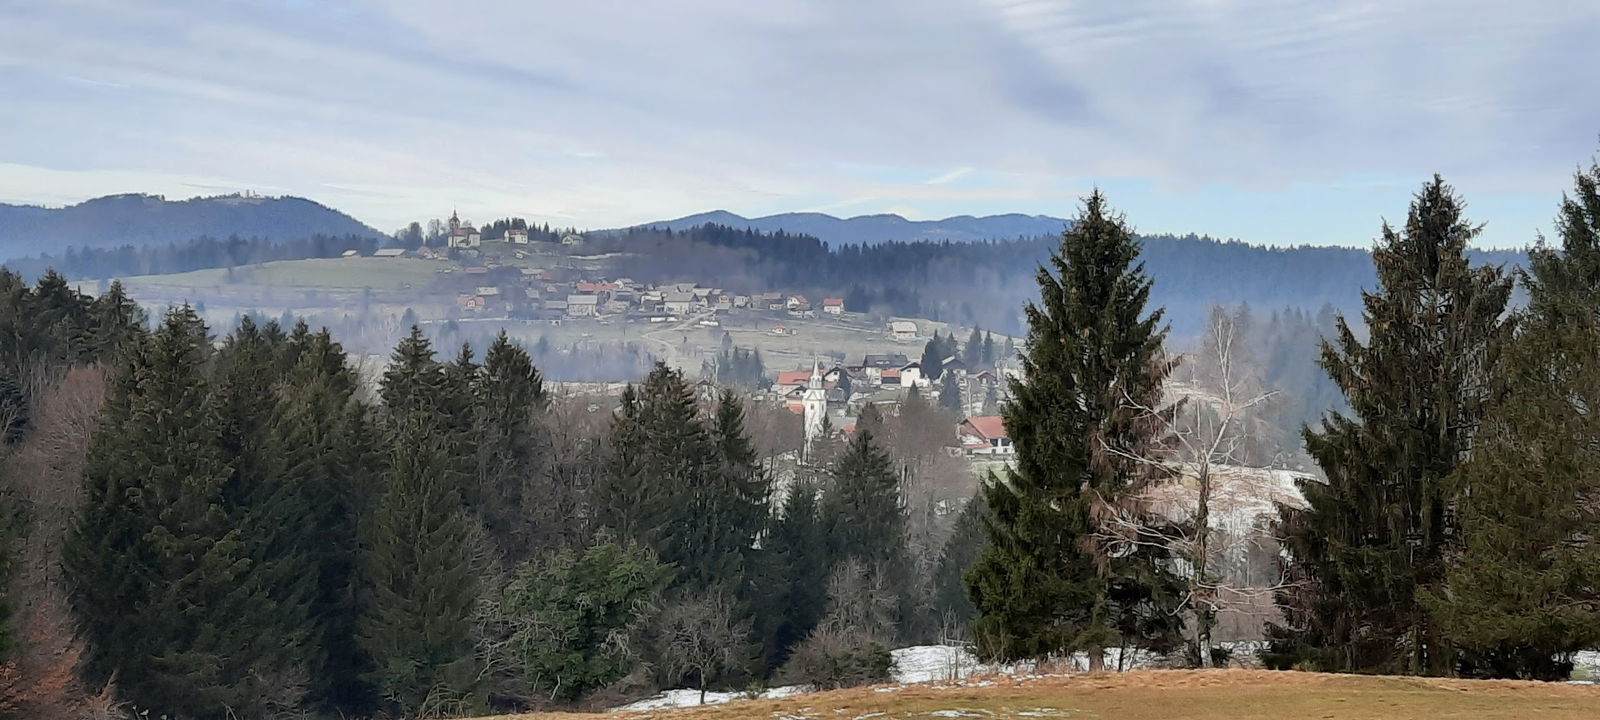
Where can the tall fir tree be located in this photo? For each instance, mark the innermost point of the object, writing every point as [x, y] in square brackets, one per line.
[864, 517]
[1377, 532]
[420, 568]
[170, 583]
[328, 450]
[511, 400]
[1522, 591]
[1056, 575]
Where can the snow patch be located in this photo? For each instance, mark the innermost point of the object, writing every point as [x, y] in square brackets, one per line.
[690, 698]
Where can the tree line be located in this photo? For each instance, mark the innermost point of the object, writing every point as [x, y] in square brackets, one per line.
[254, 529]
[1451, 530]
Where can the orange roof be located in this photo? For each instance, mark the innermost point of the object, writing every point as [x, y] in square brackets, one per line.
[828, 302]
[988, 426]
[794, 377]
[891, 373]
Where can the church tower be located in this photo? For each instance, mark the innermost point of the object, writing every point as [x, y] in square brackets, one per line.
[815, 403]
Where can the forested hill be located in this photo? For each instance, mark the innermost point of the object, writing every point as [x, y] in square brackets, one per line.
[988, 283]
[140, 220]
[874, 229]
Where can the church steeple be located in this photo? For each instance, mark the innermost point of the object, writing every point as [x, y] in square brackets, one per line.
[815, 404]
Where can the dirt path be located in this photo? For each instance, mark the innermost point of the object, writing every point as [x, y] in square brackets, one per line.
[669, 349]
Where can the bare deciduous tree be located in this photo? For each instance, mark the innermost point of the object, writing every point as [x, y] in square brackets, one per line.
[701, 637]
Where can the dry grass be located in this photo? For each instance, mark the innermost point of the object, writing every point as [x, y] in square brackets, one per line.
[1167, 695]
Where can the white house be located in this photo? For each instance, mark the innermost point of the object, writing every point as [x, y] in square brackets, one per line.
[678, 302]
[517, 236]
[985, 435]
[903, 330]
[833, 306]
[390, 252]
[911, 375]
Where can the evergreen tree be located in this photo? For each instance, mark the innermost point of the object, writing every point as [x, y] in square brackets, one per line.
[420, 570]
[986, 358]
[950, 396]
[1056, 575]
[1376, 533]
[960, 552]
[327, 447]
[972, 353]
[864, 517]
[1522, 592]
[933, 358]
[171, 585]
[511, 398]
[798, 558]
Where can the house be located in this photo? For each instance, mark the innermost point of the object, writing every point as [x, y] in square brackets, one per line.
[678, 302]
[770, 301]
[572, 240]
[615, 306]
[793, 378]
[985, 435]
[903, 330]
[796, 302]
[471, 303]
[465, 236]
[741, 301]
[911, 375]
[350, 253]
[954, 366]
[583, 305]
[833, 306]
[478, 270]
[488, 290]
[390, 252]
[517, 236]
[555, 307]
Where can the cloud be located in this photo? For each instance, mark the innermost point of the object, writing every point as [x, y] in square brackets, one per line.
[949, 177]
[1201, 112]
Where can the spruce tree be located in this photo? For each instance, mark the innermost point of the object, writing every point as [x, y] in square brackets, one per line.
[511, 399]
[960, 552]
[1522, 592]
[1056, 576]
[1376, 533]
[865, 519]
[798, 563]
[420, 573]
[950, 396]
[171, 585]
[972, 353]
[933, 358]
[327, 446]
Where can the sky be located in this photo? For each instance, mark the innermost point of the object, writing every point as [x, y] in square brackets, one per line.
[1271, 121]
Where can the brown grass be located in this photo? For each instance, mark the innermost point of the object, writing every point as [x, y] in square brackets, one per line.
[1167, 695]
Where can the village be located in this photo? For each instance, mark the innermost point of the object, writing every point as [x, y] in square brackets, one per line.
[497, 279]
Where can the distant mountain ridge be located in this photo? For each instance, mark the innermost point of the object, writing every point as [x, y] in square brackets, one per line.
[874, 229]
[116, 220]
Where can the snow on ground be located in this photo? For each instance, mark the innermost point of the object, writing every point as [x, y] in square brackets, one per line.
[690, 698]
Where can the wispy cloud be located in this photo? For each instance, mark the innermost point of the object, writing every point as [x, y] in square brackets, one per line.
[948, 177]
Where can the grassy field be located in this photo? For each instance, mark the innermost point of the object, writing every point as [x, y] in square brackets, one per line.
[1167, 695]
[327, 273]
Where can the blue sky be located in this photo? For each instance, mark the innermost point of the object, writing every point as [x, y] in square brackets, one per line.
[1271, 121]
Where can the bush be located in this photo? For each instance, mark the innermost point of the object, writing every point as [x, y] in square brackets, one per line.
[829, 658]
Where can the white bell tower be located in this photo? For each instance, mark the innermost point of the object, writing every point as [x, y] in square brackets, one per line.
[815, 403]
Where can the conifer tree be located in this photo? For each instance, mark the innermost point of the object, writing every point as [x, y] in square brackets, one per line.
[933, 358]
[950, 395]
[972, 352]
[511, 399]
[420, 574]
[1522, 592]
[960, 552]
[1056, 575]
[170, 585]
[798, 554]
[864, 517]
[327, 448]
[1376, 533]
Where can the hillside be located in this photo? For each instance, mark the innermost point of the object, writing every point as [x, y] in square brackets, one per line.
[141, 220]
[874, 229]
[1166, 695]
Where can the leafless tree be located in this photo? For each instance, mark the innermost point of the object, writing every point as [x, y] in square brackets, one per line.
[700, 636]
[43, 478]
[1210, 452]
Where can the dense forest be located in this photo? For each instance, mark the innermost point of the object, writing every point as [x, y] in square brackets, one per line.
[140, 220]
